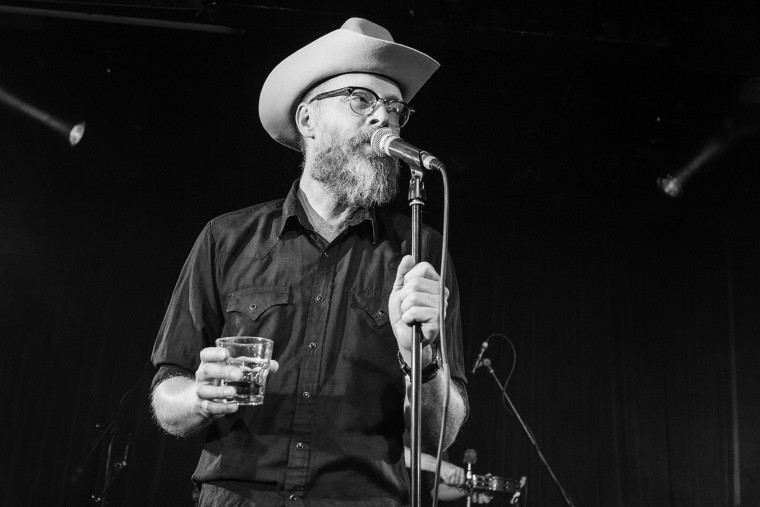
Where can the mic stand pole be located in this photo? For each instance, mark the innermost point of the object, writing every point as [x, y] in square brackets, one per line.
[416, 203]
[568, 500]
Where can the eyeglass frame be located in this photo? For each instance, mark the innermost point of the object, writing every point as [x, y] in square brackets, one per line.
[350, 89]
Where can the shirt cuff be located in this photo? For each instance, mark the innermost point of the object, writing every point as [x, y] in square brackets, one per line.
[166, 371]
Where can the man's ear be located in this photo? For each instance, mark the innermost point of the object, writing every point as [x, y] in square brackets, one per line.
[305, 120]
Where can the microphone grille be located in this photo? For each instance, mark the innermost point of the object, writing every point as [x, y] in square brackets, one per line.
[377, 139]
[470, 457]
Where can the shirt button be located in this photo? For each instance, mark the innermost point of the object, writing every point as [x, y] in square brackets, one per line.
[313, 345]
[293, 498]
[320, 298]
[299, 445]
[306, 394]
[327, 254]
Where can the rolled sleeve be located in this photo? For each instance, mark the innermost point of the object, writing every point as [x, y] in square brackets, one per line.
[194, 317]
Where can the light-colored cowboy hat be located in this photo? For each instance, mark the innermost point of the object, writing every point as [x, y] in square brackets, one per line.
[358, 46]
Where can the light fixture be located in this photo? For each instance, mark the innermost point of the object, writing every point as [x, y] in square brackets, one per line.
[72, 132]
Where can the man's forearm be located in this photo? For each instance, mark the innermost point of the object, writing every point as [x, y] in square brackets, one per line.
[433, 393]
[174, 406]
[427, 462]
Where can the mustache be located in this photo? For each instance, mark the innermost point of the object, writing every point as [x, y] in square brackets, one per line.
[363, 138]
[360, 139]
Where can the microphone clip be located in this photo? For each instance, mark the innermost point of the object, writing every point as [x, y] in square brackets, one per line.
[417, 194]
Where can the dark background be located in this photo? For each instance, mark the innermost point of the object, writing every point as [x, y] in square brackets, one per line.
[633, 314]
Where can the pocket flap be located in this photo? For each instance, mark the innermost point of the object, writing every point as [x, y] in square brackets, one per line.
[254, 302]
[375, 306]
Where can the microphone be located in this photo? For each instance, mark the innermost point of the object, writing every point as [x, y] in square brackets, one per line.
[470, 457]
[483, 347]
[385, 141]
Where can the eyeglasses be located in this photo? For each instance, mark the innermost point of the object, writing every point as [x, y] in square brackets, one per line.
[364, 102]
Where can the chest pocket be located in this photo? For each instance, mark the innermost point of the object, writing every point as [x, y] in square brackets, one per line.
[257, 312]
[373, 346]
[375, 307]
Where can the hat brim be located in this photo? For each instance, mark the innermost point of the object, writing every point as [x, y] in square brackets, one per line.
[339, 52]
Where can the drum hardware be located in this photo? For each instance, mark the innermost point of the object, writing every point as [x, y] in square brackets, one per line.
[490, 483]
[470, 458]
[493, 483]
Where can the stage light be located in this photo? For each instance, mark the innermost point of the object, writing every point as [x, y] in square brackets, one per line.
[72, 132]
[742, 124]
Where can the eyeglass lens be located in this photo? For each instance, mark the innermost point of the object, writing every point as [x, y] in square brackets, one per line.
[363, 102]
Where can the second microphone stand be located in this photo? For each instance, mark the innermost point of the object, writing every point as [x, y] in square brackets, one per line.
[487, 364]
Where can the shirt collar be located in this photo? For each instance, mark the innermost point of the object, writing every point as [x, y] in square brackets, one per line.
[293, 213]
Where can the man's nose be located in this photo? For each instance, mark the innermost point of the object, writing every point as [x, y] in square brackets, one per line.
[381, 115]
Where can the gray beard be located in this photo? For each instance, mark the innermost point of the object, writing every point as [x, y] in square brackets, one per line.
[351, 176]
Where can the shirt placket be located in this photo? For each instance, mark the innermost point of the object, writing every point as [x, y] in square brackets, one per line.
[309, 378]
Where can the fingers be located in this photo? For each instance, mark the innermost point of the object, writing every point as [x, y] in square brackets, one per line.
[453, 475]
[419, 300]
[407, 270]
[419, 292]
[214, 410]
[214, 354]
[212, 372]
[406, 264]
[458, 477]
[427, 317]
[481, 498]
[212, 392]
[209, 393]
[419, 285]
[419, 270]
[214, 368]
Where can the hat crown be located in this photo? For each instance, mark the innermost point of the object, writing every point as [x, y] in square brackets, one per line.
[359, 46]
[368, 28]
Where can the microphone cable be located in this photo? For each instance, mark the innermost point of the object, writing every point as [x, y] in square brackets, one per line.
[442, 329]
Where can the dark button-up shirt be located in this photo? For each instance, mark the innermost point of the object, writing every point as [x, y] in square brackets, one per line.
[331, 426]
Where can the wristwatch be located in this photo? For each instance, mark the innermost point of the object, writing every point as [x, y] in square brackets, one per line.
[428, 372]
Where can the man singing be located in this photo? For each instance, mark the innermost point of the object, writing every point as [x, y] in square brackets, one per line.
[325, 273]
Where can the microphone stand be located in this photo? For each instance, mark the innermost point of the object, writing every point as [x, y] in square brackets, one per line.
[487, 363]
[112, 467]
[416, 203]
[108, 430]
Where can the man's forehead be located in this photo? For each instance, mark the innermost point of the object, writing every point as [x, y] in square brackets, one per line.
[381, 85]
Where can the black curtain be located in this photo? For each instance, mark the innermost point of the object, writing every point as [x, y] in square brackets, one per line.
[625, 343]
